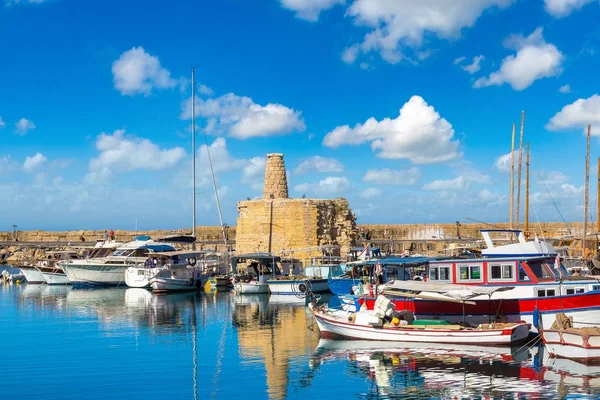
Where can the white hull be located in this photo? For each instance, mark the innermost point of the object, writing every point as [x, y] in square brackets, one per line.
[56, 278]
[332, 327]
[251, 288]
[573, 345]
[172, 285]
[33, 276]
[139, 277]
[294, 287]
[95, 274]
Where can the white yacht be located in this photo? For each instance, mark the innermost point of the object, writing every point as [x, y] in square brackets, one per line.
[110, 270]
[167, 271]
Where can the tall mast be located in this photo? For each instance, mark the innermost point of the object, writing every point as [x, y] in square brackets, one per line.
[587, 184]
[193, 157]
[512, 177]
[527, 191]
[598, 198]
[212, 172]
[520, 167]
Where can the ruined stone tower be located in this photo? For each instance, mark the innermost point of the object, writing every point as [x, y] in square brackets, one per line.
[298, 228]
[276, 186]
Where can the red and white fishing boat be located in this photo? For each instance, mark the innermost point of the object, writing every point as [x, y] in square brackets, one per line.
[371, 325]
[540, 286]
[579, 344]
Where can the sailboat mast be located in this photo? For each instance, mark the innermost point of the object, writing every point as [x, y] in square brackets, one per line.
[214, 182]
[527, 191]
[512, 177]
[520, 167]
[587, 187]
[193, 158]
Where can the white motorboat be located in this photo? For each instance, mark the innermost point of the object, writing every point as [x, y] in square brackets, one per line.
[177, 271]
[372, 325]
[52, 273]
[313, 279]
[579, 344]
[110, 270]
[262, 267]
[251, 287]
[32, 275]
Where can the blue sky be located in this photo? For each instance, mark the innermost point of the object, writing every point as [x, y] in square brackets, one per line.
[407, 106]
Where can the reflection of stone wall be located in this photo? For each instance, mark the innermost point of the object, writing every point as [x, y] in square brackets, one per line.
[294, 224]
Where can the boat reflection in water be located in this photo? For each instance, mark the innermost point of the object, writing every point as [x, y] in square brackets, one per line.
[275, 335]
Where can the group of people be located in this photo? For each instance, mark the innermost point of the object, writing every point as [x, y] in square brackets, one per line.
[109, 236]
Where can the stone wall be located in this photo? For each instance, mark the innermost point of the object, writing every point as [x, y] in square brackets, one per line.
[298, 225]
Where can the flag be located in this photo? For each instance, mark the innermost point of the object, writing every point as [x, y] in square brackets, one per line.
[378, 268]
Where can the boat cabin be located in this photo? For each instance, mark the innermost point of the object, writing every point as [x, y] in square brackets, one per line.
[257, 264]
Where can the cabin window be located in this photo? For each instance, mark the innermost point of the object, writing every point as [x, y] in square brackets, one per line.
[595, 287]
[575, 290]
[501, 272]
[439, 273]
[470, 272]
[523, 275]
[541, 270]
[546, 292]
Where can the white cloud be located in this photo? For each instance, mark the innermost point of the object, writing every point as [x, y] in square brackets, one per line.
[23, 126]
[241, 118]
[350, 53]
[10, 3]
[2, 123]
[562, 8]
[6, 164]
[309, 9]
[447, 184]
[205, 90]
[332, 185]
[386, 176]
[459, 60]
[578, 114]
[125, 153]
[399, 26]
[565, 89]
[370, 193]
[319, 164]
[474, 66]
[34, 162]
[419, 134]
[222, 160]
[535, 59]
[137, 72]
[253, 173]
[502, 163]
[551, 178]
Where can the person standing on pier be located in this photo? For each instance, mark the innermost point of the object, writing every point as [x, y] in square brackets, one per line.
[105, 236]
[112, 235]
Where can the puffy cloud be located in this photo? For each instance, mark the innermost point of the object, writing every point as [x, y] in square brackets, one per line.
[419, 134]
[535, 59]
[562, 8]
[502, 163]
[399, 26]
[459, 60]
[551, 178]
[23, 126]
[332, 185]
[319, 164]
[34, 162]
[474, 66]
[241, 118]
[370, 193]
[309, 9]
[386, 176]
[137, 72]
[253, 173]
[447, 184]
[125, 153]
[2, 123]
[222, 160]
[578, 114]
[10, 3]
[205, 90]
[565, 89]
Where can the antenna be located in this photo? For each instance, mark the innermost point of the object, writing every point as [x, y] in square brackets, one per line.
[520, 166]
[193, 158]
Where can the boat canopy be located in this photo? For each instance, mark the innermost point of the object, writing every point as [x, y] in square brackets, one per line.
[452, 290]
[260, 257]
[177, 239]
[158, 247]
[179, 253]
[141, 238]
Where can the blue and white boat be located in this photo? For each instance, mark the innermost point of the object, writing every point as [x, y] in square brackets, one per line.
[312, 279]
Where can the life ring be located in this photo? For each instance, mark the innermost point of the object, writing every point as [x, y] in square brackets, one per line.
[191, 261]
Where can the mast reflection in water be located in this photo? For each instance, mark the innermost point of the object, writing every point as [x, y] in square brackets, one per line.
[62, 343]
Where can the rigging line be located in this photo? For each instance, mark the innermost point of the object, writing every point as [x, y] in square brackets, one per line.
[557, 209]
[212, 172]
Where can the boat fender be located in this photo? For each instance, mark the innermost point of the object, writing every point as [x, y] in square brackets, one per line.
[536, 317]
[191, 261]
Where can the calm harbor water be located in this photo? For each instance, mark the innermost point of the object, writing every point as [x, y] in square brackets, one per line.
[65, 343]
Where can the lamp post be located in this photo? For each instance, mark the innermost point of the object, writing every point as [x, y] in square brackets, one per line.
[15, 232]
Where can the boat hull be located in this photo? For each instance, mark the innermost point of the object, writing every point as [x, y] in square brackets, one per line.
[337, 329]
[174, 285]
[139, 277]
[573, 344]
[341, 286]
[294, 287]
[33, 276]
[251, 288]
[95, 275]
[56, 278]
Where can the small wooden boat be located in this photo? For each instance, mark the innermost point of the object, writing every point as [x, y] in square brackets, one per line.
[367, 325]
[579, 344]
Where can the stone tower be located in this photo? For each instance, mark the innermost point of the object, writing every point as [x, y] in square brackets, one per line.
[276, 186]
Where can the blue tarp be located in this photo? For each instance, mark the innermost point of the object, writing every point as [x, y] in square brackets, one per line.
[401, 260]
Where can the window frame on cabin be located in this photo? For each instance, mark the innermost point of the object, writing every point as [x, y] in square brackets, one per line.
[502, 270]
[438, 267]
[470, 267]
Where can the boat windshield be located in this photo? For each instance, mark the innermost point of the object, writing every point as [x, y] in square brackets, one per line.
[336, 270]
[542, 270]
